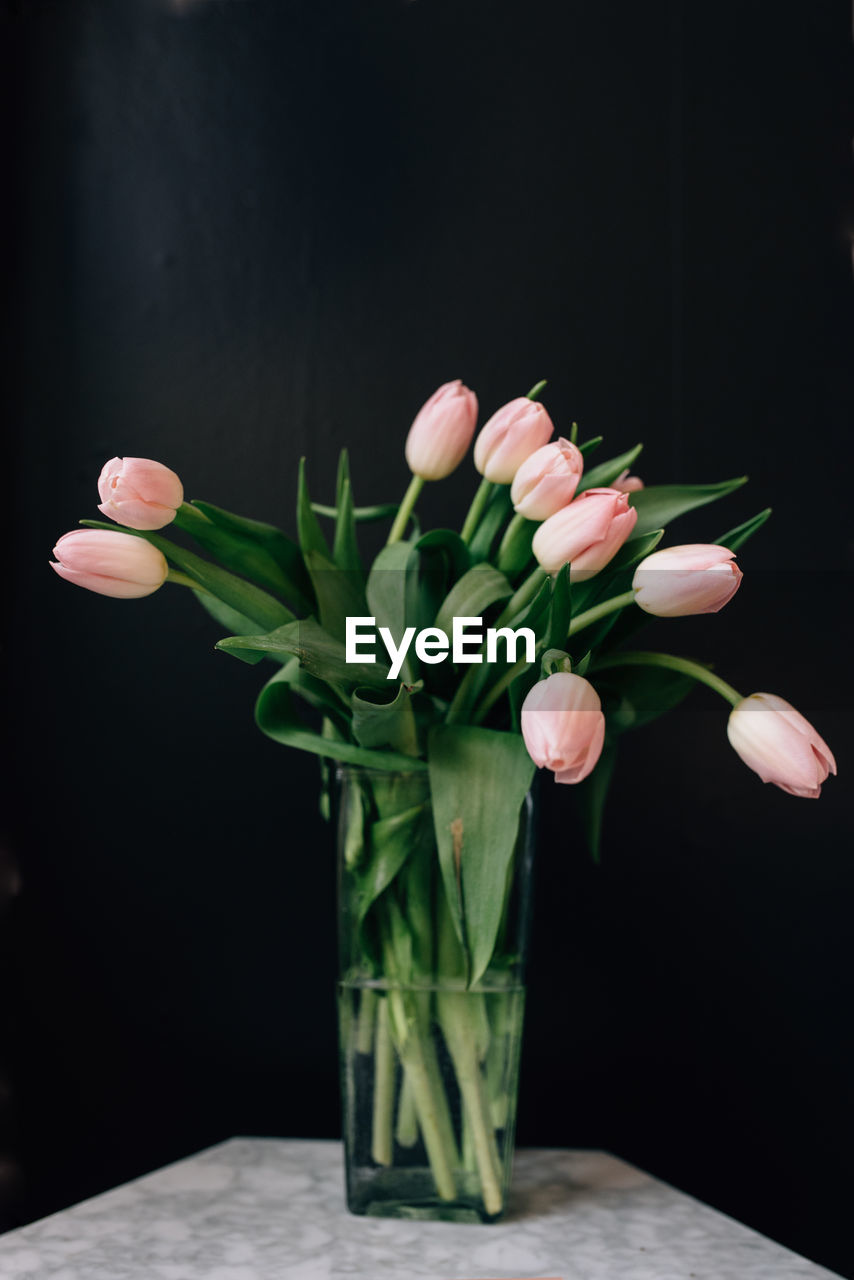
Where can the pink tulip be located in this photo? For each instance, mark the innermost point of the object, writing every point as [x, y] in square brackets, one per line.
[626, 483]
[586, 534]
[139, 493]
[442, 432]
[510, 436]
[777, 742]
[563, 726]
[109, 562]
[681, 580]
[547, 480]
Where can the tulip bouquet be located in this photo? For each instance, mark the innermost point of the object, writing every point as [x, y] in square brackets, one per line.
[437, 730]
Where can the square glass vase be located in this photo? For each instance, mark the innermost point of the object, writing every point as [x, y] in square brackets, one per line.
[429, 1061]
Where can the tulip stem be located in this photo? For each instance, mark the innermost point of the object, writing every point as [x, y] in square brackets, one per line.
[523, 597]
[476, 510]
[641, 658]
[467, 688]
[589, 616]
[503, 682]
[188, 517]
[184, 580]
[404, 511]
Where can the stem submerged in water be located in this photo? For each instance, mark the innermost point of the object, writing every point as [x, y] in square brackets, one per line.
[384, 1071]
[459, 1036]
[406, 1132]
[418, 1056]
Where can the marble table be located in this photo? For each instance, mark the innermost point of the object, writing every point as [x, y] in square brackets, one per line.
[272, 1209]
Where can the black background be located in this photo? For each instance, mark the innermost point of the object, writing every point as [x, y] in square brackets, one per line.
[253, 229]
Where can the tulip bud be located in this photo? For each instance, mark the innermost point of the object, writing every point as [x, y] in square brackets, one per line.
[681, 580]
[441, 432]
[779, 744]
[586, 534]
[547, 480]
[109, 562]
[626, 483]
[139, 493]
[510, 436]
[563, 726]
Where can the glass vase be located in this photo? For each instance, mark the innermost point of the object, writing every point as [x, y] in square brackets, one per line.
[429, 1062]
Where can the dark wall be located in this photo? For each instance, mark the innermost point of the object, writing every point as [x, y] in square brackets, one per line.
[248, 230]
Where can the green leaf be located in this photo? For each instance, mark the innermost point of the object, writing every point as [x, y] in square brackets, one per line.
[478, 781]
[276, 716]
[515, 550]
[319, 695]
[244, 597]
[737, 537]
[392, 592]
[657, 505]
[607, 472]
[554, 660]
[380, 720]
[345, 550]
[518, 692]
[310, 533]
[560, 611]
[340, 593]
[583, 663]
[591, 795]
[476, 590]
[391, 841]
[591, 445]
[497, 510]
[321, 654]
[635, 696]
[443, 558]
[626, 624]
[535, 614]
[448, 544]
[362, 515]
[229, 620]
[258, 549]
[631, 552]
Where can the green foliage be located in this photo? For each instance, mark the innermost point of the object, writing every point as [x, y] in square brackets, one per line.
[515, 552]
[380, 720]
[251, 548]
[345, 550]
[737, 537]
[276, 715]
[607, 472]
[657, 505]
[497, 511]
[472, 595]
[321, 654]
[229, 619]
[560, 611]
[591, 794]
[478, 780]
[390, 842]
[634, 696]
